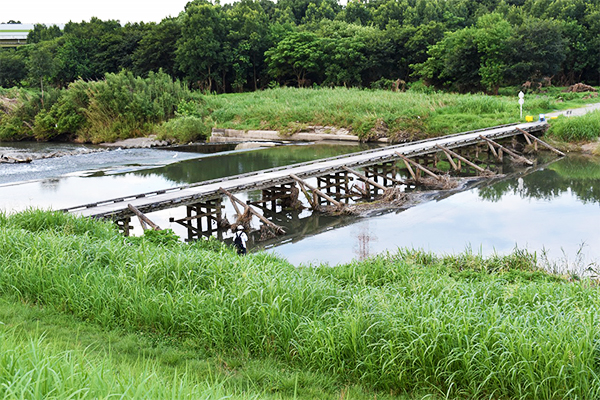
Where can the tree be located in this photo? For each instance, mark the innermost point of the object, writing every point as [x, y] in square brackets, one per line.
[42, 33]
[156, 49]
[492, 37]
[536, 50]
[248, 40]
[41, 66]
[116, 48]
[85, 50]
[201, 51]
[13, 67]
[410, 45]
[344, 48]
[326, 10]
[357, 12]
[297, 54]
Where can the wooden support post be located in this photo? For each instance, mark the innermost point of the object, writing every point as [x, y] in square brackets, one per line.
[461, 158]
[195, 213]
[364, 178]
[526, 137]
[512, 153]
[318, 192]
[311, 199]
[410, 170]
[451, 160]
[124, 225]
[536, 140]
[493, 150]
[388, 178]
[235, 207]
[142, 217]
[419, 166]
[277, 228]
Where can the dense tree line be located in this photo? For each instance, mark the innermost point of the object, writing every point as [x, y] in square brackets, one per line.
[461, 45]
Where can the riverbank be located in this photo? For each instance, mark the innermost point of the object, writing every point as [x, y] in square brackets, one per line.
[282, 113]
[403, 324]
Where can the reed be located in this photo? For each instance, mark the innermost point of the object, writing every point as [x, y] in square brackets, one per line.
[577, 129]
[290, 110]
[463, 326]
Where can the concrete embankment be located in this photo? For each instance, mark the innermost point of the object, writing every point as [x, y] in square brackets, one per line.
[314, 134]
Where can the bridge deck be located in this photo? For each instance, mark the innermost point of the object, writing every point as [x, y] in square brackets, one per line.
[148, 202]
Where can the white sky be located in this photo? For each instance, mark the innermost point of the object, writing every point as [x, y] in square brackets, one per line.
[62, 11]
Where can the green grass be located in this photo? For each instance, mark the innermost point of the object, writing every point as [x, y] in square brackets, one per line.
[31, 369]
[407, 115]
[149, 107]
[74, 356]
[407, 323]
[577, 129]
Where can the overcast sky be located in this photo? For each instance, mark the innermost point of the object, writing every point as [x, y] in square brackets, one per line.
[62, 11]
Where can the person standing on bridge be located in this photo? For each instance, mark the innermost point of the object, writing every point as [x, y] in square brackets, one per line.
[240, 239]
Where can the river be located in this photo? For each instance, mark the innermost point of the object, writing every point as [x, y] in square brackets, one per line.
[552, 209]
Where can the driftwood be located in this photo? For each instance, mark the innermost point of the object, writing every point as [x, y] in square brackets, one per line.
[408, 161]
[580, 88]
[14, 160]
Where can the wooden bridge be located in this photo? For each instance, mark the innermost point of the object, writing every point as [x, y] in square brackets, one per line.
[203, 200]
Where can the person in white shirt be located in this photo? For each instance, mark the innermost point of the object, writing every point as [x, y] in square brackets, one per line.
[240, 239]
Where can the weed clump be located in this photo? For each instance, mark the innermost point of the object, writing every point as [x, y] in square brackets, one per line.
[577, 129]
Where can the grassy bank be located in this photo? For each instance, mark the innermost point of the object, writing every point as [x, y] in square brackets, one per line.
[577, 129]
[123, 106]
[369, 113]
[406, 323]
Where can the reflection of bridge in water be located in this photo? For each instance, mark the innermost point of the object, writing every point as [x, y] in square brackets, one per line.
[301, 226]
[469, 153]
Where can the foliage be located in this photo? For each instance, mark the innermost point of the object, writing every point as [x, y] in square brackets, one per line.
[41, 33]
[242, 46]
[465, 326]
[296, 55]
[187, 129]
[573, 129]
[119, 106]
[13, 68]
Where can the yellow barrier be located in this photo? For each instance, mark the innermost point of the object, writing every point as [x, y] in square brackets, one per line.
[529, 118]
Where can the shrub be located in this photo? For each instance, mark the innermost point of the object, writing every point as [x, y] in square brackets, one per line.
[184, 129]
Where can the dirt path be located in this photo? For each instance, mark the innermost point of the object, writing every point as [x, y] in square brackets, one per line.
[575, 112]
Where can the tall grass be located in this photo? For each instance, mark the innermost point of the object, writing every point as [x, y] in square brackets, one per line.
[406, 114]
[470, 327]
[31, 369]
[576, 129]
[118, 107]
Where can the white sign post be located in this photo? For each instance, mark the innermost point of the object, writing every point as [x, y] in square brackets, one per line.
[521, 102]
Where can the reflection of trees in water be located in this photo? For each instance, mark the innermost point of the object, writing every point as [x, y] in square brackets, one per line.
[580, 175]
[207, 168]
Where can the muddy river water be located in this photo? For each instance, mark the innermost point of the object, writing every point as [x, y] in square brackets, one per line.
[552, 209]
